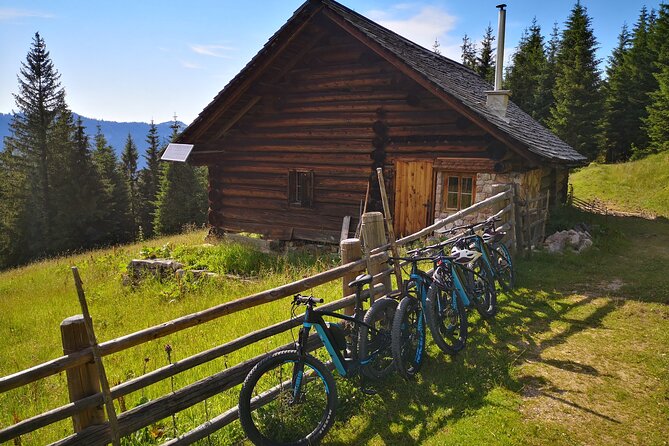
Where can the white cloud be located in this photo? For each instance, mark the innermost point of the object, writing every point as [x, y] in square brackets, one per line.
[12, 13]
[425, 25]
[213, 50]
[189, 65]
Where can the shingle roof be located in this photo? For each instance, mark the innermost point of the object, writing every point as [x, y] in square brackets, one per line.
[454, 79]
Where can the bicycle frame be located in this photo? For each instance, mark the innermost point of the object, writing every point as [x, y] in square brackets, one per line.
[314, 318]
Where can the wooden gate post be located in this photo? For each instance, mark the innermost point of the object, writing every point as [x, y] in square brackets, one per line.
[374, 235]
[351, 251]
[82, 381]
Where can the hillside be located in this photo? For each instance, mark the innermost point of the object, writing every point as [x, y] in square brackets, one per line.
[632, 186]
[115, 132]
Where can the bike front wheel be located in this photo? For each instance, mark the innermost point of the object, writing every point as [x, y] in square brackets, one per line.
[408, 337]
[446, 316]
[374, 344]
[288, 399]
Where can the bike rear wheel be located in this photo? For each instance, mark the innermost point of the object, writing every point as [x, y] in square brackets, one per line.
[288, 399]
[408, 337]
[374, 346]
[481, 288]
[506, 276]
[446, 318]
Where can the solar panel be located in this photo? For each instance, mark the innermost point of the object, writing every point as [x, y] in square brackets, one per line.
[177, 152]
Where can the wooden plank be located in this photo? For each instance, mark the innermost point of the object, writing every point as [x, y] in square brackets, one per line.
[345, 225]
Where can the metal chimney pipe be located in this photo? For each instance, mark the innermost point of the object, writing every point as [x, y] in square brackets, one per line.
[501, 30]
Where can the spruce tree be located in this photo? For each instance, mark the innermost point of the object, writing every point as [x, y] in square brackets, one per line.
[149, 180]
[524, 77]
[28, 158]
[485, 62]
[182, 197]
[576, 113]
[129, 158]
[617, 122]
[468, 52]
[116, 223]
[657, 121]
[79, 214]
[545, 98]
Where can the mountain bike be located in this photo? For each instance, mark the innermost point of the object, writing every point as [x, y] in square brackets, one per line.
[290, 397]
[457, 284]
[409, 331]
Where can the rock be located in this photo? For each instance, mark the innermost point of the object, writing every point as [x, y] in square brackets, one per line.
[576, 240]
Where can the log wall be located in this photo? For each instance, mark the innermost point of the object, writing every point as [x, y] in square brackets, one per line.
[333, 107]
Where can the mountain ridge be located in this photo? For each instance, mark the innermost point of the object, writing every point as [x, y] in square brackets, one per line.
[115, 132]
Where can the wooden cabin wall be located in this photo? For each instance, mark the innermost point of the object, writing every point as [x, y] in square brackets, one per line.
[340, 110]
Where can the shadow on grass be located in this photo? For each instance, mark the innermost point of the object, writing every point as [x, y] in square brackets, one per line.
[449, 389]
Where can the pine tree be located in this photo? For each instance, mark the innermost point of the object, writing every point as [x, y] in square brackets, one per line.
[115, 197]
[485, 62]
[545, 98]
[29, 152]
[149, 180]
[435, 46]
[78, 188]
[658, 110]
[129, 159]
[182, 198]
[524, 77]
[577, 109]
[617, 122]
[468, 52]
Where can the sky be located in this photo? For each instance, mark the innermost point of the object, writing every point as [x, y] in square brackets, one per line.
[131, 60]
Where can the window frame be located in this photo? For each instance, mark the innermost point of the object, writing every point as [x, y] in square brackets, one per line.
[445, 183]
[301, 188]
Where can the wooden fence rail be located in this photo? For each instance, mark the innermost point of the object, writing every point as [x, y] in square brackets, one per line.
[166, 405]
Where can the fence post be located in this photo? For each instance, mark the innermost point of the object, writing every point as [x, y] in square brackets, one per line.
[374, 235]
[517, 216]
[83, 380]
[350, 252]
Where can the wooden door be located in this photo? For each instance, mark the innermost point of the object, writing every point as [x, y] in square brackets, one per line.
[414, 187]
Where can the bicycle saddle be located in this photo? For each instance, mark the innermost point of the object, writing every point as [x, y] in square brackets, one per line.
[360, 281]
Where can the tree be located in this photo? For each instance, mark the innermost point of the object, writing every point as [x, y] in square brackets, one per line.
[129, 159]
[435, 46]
[182, 197]
[545, 98]
[28, 158]
[524, 77]
[658, 109]
[116, 223]
[468, 52]
[485, 62]
[149, 180]
[79, 214]
[576, 112]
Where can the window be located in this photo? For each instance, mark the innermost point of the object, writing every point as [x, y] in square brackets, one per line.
[458, 191]
[301, 188]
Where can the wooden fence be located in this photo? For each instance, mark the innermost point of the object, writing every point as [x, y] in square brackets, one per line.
[85, 395]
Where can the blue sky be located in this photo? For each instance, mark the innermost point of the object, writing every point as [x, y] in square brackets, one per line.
[132, 60]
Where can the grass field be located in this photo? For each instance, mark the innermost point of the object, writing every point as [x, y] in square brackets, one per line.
[634, 186]
[578, 354]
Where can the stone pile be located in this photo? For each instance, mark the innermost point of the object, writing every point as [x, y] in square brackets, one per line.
[576, 240]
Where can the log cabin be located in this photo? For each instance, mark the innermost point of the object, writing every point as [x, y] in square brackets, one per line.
[292, 142]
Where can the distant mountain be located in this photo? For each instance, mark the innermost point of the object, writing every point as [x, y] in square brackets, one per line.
[115, 132]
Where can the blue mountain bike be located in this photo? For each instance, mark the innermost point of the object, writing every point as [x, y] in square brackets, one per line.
[290, 397]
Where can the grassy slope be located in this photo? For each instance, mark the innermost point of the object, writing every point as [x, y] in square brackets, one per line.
[578, 355]
[632, 186]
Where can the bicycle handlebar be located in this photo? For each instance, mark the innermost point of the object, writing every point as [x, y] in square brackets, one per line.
[299, 299]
